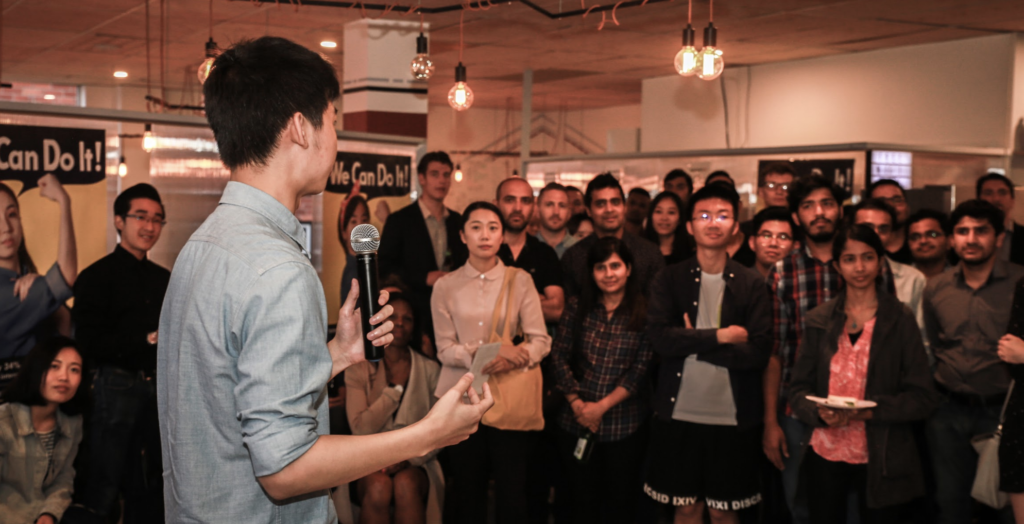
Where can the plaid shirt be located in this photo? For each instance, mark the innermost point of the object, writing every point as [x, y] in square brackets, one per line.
[798, 284]
[609, 356]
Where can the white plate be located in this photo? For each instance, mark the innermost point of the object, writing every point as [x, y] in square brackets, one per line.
[834, 404]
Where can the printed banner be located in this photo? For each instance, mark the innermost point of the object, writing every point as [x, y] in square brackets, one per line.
[838, 171]
[74, 156]
[378, 175]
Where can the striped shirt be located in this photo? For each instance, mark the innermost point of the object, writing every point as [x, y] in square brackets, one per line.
[49, 442]
[608, 356]
[797, 284]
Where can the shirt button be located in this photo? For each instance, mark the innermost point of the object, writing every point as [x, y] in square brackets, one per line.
[481, 277]
[673, 399]
[695, 302]
[696, 279]
[679, 374]
[481, 323]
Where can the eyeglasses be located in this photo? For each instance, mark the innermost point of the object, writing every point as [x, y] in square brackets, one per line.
[914, 237]
[772, 186]
[767, 236]
[154, 221]
[707, 218]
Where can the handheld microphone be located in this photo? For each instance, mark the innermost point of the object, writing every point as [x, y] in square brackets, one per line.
[365, 241]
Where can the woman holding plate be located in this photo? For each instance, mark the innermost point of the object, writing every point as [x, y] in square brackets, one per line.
[862, 348]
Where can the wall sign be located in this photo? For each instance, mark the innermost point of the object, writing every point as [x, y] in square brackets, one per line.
[839, 172]
[378, 175]
[74, 156]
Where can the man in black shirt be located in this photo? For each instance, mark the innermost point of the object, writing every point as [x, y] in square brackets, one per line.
[892, 193]
[117, 312]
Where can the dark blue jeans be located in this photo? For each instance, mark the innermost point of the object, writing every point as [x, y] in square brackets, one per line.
[949, 432]
[124, 447]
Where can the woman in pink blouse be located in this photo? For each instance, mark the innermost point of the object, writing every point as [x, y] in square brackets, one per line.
[864, 345]
[462, 303]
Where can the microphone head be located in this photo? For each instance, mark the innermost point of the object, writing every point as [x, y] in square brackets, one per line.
[365, 239]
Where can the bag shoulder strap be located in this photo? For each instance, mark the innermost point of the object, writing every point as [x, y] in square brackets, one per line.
[1002, 413]
[501, 303]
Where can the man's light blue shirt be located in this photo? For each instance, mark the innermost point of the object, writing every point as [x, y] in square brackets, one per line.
[242, 365]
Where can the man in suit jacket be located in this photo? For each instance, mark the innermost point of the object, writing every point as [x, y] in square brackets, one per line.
[421, 242]
[998, 190]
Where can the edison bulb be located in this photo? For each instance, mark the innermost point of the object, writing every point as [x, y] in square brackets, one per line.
[460, 97]
[686, 61]
[422, 67]
[458, 173]
[204, 69]
[122, 169]
[710, 63]
[148, 141]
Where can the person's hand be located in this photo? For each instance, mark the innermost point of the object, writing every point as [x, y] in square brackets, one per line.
[577, 406]
[590, 415]
[153, 338]
[518, 356]
[338, 400]
[774, 444]
[453, 419]
[347, 345]
[383, 211]
[395, 468]
[433, 276]
[45, 519]
[1011, 349]
[732, 335]
[24, 284]
[861, 414]
[498, 365]
[834, 417]
[51, 188]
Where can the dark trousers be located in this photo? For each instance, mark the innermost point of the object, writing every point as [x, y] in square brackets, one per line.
[489, 452]
[607, 487]
[828, 486]
[124, 448]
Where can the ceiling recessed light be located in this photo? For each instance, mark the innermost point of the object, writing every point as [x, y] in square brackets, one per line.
[328, 44]
[120, 74]
[49, 97]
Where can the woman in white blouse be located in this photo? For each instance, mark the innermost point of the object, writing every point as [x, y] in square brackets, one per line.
[463, 303]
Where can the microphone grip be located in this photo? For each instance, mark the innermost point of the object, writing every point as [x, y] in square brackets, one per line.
[369, 293]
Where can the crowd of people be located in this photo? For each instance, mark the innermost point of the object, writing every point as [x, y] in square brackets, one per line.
[653, 359]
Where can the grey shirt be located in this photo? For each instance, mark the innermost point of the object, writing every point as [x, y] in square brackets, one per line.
[964, 326]
[705, 393]
[242, 365]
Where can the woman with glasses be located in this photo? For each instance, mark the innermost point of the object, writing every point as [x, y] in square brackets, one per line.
[27, 299]
[663, 228]
[861, 379]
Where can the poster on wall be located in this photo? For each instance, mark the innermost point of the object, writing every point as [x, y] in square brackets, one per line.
[838, 171]
[377, 175]
[74, 156]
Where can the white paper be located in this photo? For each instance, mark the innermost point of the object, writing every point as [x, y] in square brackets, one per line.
[484, 355]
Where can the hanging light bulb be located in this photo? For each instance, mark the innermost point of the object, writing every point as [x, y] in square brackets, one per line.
[122, 169]
[460, 97]
[148, 140]
[422, 67]
[709, 62]
[211, 54]
[458, 173]
[686, 58]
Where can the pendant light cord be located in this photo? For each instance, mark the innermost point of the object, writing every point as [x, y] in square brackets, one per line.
[711, 11]
[149, 67]
[462, 17]
[211, 19]
[689, 13]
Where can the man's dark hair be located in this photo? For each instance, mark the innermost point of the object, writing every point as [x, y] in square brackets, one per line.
[777, 168]
[633, 303]
[679, 173]
[573, 225]
[720, 189]
[804, 186]
[992, 175]
[253, 90]
[433, 156]
[123, 202]
[570, 189]
[640, 191]
[475, 206]
[870, 193]
[723, 175]
[602, 181]
[926, 214]
[25, 389]
[775, 214]
[552, 186]
[350, 209]
[860, 233]
[876, 204]
[979, 210]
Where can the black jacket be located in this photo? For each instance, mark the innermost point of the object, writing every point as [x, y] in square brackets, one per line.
[1017, 244]
[899, 380]
[406, 251]
[675, 292]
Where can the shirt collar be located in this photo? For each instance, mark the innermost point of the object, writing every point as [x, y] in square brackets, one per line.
[426, 212]
[1000, 271]
[125, 256]
[244, 195]
[494, 273]
[23, 420]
